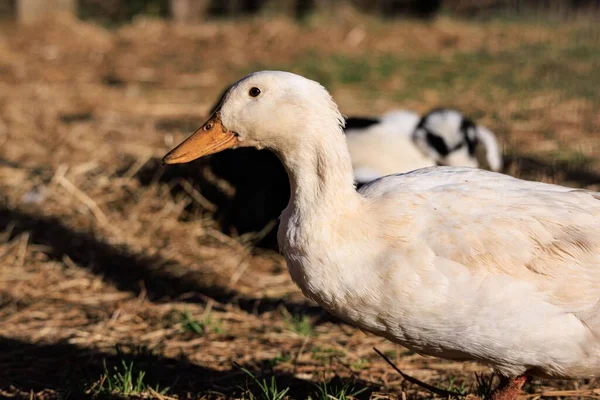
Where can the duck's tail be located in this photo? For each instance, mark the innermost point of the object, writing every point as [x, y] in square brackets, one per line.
[492, 149]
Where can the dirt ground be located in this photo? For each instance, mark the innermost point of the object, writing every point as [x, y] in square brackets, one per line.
[115, 279]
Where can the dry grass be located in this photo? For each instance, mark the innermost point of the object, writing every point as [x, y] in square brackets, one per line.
[105, 258]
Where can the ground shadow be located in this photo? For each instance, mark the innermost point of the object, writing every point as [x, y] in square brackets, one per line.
[161, 279]
[71, 371]
[533, 168]
[258, 183]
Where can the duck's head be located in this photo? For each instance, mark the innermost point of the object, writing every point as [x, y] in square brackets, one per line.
[268, 109]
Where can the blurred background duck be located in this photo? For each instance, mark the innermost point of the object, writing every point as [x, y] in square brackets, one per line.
[402, 141]
[383, 145]
[426, 259]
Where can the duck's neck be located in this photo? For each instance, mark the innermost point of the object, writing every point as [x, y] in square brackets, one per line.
[321, 176]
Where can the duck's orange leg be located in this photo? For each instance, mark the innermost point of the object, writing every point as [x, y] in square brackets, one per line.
[509, 389]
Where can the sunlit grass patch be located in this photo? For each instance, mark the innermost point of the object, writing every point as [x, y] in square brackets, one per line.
[335, 389]
[266, 389]
[126, 379]
[299, 323]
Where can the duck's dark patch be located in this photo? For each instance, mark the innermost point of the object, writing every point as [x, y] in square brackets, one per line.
[467, 128]
[469, 131]
[360, 122]
[437, 143]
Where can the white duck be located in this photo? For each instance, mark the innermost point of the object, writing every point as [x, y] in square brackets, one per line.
[384, 145]
[449, 138]
[458, 263]
[402, 141]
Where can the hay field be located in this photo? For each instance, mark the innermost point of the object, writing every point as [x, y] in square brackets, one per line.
[116, 280]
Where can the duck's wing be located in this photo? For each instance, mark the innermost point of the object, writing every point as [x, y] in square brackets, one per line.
[545, 235]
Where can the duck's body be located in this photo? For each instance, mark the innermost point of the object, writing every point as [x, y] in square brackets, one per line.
[453, 262]
[462, 285]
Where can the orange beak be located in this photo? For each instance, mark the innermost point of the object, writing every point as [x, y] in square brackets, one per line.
[211, 138]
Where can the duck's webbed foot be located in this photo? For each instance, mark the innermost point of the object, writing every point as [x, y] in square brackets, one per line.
[509, 388]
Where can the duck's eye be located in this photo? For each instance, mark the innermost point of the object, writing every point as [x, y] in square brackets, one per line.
[208, 127]
[254, 92]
